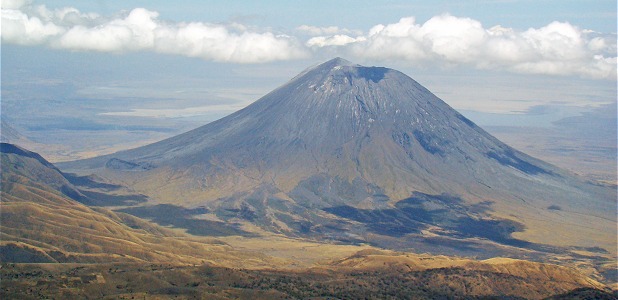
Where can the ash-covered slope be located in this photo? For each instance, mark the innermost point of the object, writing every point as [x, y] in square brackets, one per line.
[370, 152]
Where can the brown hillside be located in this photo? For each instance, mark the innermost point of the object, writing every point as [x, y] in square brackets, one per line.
[53, 246]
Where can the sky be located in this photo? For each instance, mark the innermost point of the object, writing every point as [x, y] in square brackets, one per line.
[68, 65]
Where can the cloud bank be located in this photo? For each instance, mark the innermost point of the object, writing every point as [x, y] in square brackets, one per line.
[142, 30]
[558, 48]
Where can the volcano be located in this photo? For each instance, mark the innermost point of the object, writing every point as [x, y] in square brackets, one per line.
[366, 154]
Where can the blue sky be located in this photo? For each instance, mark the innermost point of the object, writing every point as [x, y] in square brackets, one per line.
[599, 15]
[521, 63]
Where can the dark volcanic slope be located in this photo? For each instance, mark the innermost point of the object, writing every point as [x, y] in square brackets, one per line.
[341, 141]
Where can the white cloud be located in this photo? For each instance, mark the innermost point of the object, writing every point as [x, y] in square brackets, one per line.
[556, 49]
[141, 30]
[67, 16]
[14, 4]
[335, 40]
[21, 29]
[135, 32]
